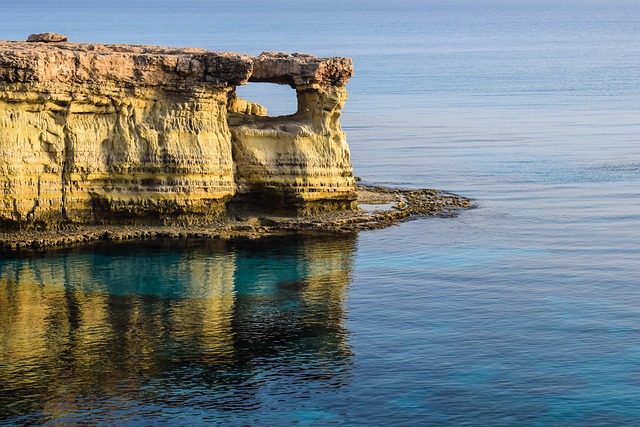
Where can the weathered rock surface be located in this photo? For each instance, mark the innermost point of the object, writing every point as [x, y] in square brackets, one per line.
[379, 208]
[310, 167]
[93, 134]
[47, 38]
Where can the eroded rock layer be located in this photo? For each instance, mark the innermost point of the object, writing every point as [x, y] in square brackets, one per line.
[142, 134]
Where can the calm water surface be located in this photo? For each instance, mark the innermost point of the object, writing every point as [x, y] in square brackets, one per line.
[523, 311]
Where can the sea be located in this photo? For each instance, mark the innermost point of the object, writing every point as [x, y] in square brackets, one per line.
[523, 311]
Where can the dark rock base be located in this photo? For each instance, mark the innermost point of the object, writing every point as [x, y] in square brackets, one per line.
[379, 208]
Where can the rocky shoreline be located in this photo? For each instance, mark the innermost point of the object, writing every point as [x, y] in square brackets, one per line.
[378, 208]
[119, 142]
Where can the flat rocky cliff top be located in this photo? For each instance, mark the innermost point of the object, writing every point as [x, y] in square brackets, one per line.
[65, 62]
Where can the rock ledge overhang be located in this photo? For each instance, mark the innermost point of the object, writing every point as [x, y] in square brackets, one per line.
[87, 63]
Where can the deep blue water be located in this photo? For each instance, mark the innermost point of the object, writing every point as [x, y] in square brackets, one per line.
[524, 311]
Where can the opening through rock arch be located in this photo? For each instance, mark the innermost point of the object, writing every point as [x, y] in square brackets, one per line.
[280, 100]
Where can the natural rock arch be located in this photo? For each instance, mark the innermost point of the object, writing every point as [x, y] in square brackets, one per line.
[143, 134]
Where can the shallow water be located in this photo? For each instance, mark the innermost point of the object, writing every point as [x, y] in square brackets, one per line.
[173, 330]
[523, 311]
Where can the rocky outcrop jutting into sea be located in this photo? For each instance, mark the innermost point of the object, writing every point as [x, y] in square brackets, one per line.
[93, 134]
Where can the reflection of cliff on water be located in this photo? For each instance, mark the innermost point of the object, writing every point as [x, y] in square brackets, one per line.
[144, 326]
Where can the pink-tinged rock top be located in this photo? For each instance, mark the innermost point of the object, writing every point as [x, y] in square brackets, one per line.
[80, 63]
[300, 68]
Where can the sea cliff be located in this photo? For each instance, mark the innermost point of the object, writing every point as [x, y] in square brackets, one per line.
[127, 141]
[129, 134]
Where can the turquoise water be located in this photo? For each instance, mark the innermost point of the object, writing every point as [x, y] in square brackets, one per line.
[523, 311]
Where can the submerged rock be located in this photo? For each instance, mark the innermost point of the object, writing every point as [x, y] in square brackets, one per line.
[379, 208]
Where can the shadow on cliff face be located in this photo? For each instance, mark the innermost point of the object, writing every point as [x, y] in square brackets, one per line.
[217, 325]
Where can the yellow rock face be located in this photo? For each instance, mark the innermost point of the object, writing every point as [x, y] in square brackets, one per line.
[302, 161]
[122, 156]
[145, 135]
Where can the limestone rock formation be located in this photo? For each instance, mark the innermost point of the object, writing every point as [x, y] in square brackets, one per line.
[47, 38]
[144, 134]
[300, 160]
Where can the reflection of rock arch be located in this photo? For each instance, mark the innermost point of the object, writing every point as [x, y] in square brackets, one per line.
[72, 336]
